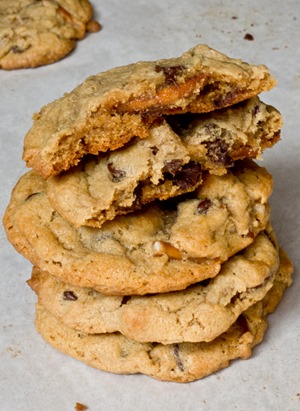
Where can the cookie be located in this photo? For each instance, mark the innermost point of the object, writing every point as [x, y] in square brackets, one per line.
[200, 313]
[35, 33]
[166, 246]
[163, 165]
[108, 109]
[183, 362]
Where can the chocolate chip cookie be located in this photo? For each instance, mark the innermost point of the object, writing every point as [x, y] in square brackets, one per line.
[39, 32]
[200, 313]
[168, 163]
[181, 362]
[108, 109]
[166, 246]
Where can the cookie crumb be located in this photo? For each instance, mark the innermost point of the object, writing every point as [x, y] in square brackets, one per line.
[93, 26]
[248, 36]
[80, 407]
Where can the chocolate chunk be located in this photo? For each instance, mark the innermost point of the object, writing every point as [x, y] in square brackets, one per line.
[217, 152]
[172, 167]
[177, 357]
[188, 176]
[226, 100]
[70, 296]
[125, 299]
[116, 174]
[223, 100]
[203, 206]
[171, 73]
[155, 150]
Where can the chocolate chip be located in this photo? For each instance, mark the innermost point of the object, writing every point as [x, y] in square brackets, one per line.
[203, 206]
[177, 357]
[188, 176]
[172, 167]
[226, 100]
[171, 73]
[125, 299]
[116, 174]
[155, 150]
[217, 152]
[70, 296]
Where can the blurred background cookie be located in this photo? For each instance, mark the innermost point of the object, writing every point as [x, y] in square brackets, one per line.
[34, 33]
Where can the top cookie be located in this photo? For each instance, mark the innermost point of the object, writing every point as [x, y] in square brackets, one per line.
[108, 109]
[34, 33]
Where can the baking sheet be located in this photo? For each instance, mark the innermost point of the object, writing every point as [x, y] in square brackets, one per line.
[35, 377]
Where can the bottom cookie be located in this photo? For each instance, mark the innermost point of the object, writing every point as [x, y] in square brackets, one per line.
[183, 362]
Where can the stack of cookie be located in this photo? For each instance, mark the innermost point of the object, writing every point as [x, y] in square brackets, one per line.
[147, 220]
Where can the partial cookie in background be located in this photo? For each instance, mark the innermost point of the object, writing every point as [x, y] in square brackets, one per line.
[108, 109]
[166, 246]
[168, 163]
[200, 313]
[183, 362]
[39, 32]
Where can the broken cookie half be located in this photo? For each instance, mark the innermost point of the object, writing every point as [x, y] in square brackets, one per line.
[108, 109]
[170, 162]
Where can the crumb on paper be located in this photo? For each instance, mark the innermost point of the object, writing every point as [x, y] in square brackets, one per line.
[80, 407]
[248, 36]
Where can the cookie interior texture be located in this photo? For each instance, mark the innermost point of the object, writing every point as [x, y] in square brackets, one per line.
[108, 109]
[139, 253]
[35, 33]
[183, 362]
[168, 163]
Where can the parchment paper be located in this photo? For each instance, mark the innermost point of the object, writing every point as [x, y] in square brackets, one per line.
[35, 377]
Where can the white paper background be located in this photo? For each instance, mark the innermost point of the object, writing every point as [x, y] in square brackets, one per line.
[35, 377]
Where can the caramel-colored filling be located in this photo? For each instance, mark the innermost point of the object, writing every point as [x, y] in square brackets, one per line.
[166, 96]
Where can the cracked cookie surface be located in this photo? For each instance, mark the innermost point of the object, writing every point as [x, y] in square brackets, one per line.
[108, 109]
[183, 362]
[200, 313]
[167, 163]
[163, 247]
[38, 32]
